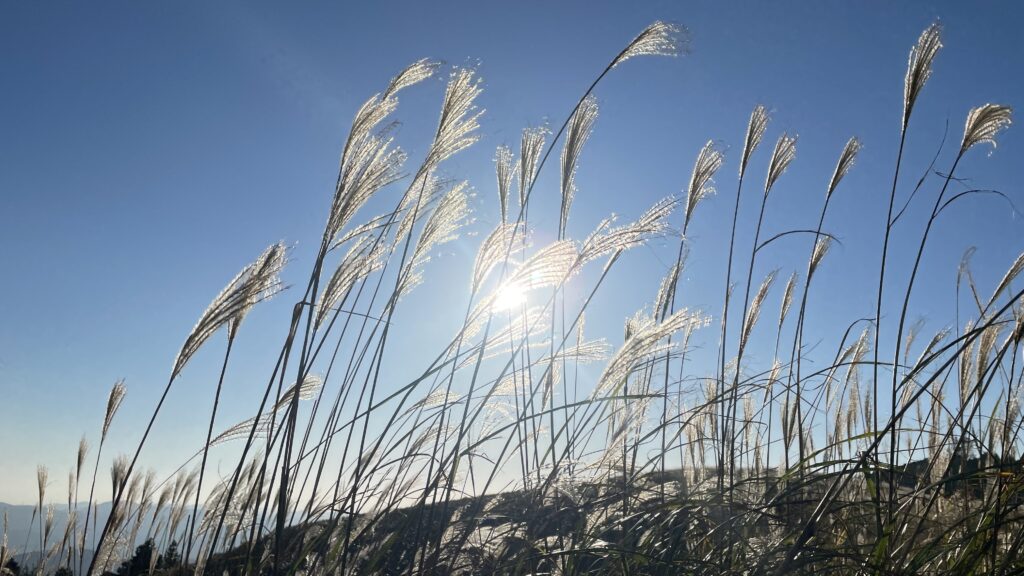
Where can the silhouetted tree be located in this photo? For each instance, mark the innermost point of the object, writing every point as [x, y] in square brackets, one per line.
[138, 564]
[170, 557]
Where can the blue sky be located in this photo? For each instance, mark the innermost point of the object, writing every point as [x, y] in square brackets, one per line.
[149, 150]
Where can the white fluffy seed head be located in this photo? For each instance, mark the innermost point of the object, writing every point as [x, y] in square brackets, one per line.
[658, 39]
[505, 168]
[114, 400]
[919, 67]
[782, 156]
[755, 132]
[708, 162]
[577, 132]
[755, 308]
[787, 297]
[530, 148]
[846, 161]
[984, 123]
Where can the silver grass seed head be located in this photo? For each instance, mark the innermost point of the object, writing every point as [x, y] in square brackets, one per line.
[938, 337]
[964, 267]
[114, 400]
[577, 133]
[755, 308]
[48, 524]
[606, 239]
[787, 297]
[460, 117]
[83, 449]
[984, 123]
[42, 477]
[755, 132]
[530, 148]
[263, 282]
[256, 282]
[362, 259]
[846, 161]
[709, 160]
[368, 166]
[1015, 269]
[449, 216]
[821, 248]
[911, 337]
[658, 39]
[415, 73]
[919, 67]
[505, 167]
[782, 156]
[667, 290]
[118, 474]
[492, 250]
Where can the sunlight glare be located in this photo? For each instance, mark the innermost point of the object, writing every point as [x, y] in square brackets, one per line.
[509, 296]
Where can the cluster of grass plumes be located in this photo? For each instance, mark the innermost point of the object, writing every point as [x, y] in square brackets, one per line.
[651, 467]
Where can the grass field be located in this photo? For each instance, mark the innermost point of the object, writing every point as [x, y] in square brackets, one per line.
[503, 457]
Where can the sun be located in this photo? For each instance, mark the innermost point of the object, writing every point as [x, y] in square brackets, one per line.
[509, 296]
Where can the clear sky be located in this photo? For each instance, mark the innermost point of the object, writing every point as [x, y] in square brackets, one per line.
[148, 150]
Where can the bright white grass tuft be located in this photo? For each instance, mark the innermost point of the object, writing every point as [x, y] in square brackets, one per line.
[83, 450]
[983, 123]
[919, 67]
[787, 297]
[755, 132]
[708, 162]
[821, 247]
[42, 479]
[505, 168]
[414, 74]
[579, 129]
[114, 400]
[645, 336]
[530, 148]
[443, 226]
[362, 259]
[658, 39]
[606, 240]
[256, 282]
[368, 162]
[1015, 269]
[369, 166]
[782, 156]
[846, 161]
[667, 288]
[425, 190]
[459, 121]
[584, 352]
[755, 308]
[310, 385]
[492, 251]
[547, 267]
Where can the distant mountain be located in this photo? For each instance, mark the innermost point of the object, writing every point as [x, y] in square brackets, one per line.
[19, 518]
[31, 560]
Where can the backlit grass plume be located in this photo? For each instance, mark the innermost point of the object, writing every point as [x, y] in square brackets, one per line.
[658, 39]
[580, 125]
[919, 67]
[782, 156]
[983, 123]
[846, 161]
[256, 282]
[755, 132]
[708, 162]
[513, 444]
